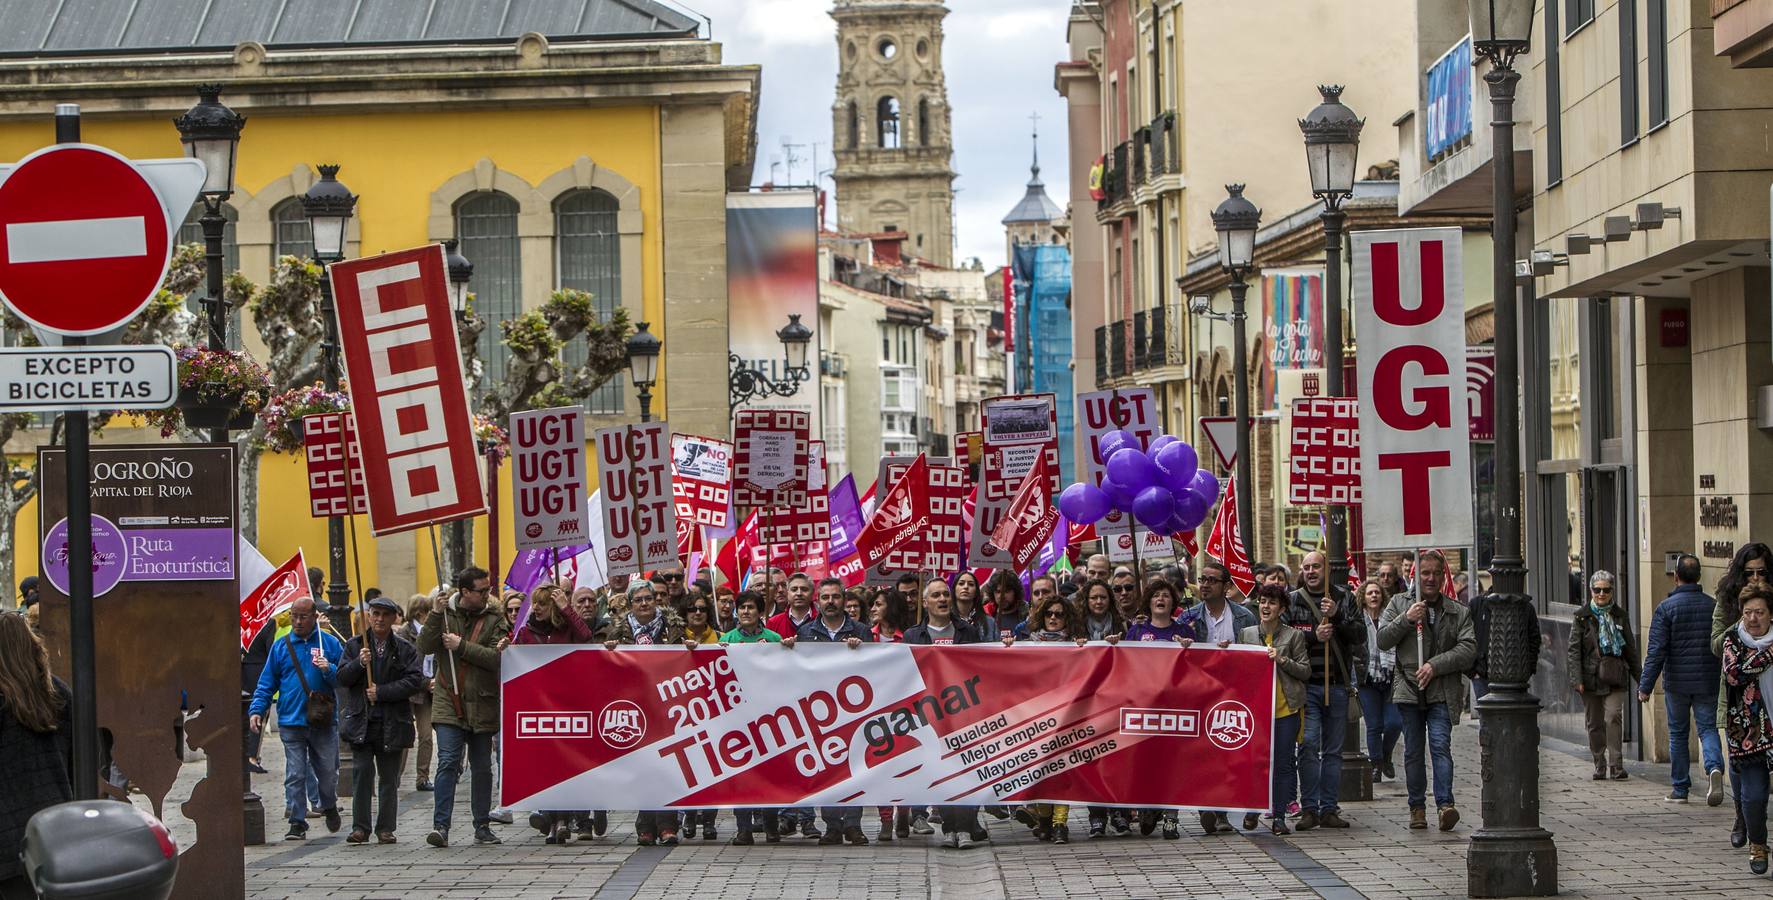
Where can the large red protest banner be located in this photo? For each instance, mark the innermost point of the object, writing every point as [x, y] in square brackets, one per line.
[762, 725]
[772, 451]
[397, 335]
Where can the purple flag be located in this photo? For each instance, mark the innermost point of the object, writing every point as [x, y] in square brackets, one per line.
[846, 519]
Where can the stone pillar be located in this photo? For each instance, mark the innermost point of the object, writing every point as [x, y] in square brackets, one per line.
[692, 147]
[1664, 454]
[1732, 459]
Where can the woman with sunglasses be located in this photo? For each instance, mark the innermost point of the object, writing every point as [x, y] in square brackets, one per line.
[1602, 661]
[699, 628]
[552, 620]
[1748, 569]
[1057, 623]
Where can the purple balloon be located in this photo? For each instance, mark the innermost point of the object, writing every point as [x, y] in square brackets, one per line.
[1083, 503]
[1107, 444]
[1158, 443]
[1178, 462]
[1119, 496]
[1191, 510]
[1153, 506]
[1205, 486]
[1129, 467]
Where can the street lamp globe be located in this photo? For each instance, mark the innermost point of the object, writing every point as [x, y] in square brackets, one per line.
[461, 271]
[328, 205]
[1500, 29]
[643, 356]
[211, 133]
[1332, 140]
[1236, 220]
[795, 337]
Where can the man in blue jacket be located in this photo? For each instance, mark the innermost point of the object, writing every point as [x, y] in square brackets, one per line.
[305, 660]
[1680, 651]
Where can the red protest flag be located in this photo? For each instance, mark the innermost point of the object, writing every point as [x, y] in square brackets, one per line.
[901, 519]
[1230, 550]
[282, 589]
[1028, 523]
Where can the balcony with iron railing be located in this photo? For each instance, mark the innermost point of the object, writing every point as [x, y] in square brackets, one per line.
[1116, 190]
[1139, 340]
[1141, 143]
[1176, 317]
[1165, 153]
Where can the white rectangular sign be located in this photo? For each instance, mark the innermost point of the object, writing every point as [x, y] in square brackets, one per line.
[639, 517]
[548, 478]
[1409, 300]
[1134, 410]
[97, 379]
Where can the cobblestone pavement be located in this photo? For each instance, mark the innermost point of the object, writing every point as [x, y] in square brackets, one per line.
[1614, 839]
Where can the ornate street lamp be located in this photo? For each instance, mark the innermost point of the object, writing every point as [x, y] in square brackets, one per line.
[1236, 220]
[329, 206]
[1510, 855]
[461, 271]
[211, 133]
[745, 383]
[643, 365]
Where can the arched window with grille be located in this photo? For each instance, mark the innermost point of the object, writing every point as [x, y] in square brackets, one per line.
[191, 232]
[886, 125]
[486, 226]
[290, 234]
[588, 257]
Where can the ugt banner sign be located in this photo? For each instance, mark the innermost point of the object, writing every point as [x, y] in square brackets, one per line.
[398, 337]
[639, 516]
[1415, 442]
[821, 724]
[548, 477]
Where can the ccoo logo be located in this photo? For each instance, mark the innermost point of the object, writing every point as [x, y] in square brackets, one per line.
[621, 724]
[1230, 725]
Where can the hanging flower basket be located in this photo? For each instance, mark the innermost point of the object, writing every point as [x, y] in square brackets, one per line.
[217, 389]
[490, 438]
[282, 416]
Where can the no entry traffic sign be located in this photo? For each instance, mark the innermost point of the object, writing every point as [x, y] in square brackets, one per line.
[86, 235]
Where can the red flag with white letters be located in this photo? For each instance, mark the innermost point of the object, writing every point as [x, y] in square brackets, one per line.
[1028, 523]
[901, 520]
[278, 592]
[1230, 551]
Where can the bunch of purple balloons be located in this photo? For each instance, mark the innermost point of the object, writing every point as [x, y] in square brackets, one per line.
[1162, 486]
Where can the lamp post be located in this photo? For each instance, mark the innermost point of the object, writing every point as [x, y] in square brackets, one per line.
[1332, 143]
[1510, 855]
[745, 383]
[643, 366]
[211, 133]
[461, 271]
[328, 206]
[1236, 220]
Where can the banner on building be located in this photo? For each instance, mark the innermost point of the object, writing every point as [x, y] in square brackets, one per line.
[1019, 429]
[397, 337]
[1293, 321]
[275, 594]
[757, 725]
[548, 477]
[702, 479]
[1128, 409]
[1324, 466]
[329, 440]
[770, 461]
[639, 517]
[1415, 439]
[772, 278]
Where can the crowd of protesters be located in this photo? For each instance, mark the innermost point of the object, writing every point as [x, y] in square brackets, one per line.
[422, 677]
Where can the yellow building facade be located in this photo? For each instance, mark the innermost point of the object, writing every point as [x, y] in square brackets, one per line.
[647, 132]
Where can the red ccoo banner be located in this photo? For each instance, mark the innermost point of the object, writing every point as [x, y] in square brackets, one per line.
[398, 341]
[818, 724]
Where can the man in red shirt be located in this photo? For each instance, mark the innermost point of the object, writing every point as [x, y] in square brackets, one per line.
[800, 607]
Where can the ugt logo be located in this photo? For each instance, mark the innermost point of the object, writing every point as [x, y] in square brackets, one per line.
[1230, 725]
[621, 724]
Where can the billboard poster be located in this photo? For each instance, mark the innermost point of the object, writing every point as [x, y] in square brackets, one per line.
[397, 338]
[548, 477]
[1293, 322]
[1415, 439]
[639, 517]
[1019, 429]
[772, 273]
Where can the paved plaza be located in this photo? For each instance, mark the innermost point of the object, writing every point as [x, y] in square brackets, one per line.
[1615, 839]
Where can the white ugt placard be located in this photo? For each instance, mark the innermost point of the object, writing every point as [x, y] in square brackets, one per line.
[548, 477]
[1134, 410]
[639, 517]
[1409, 300]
